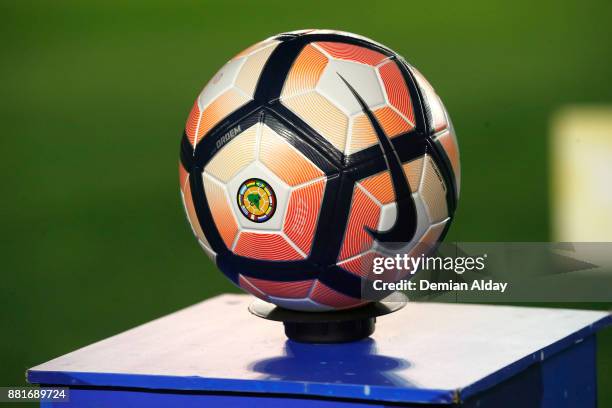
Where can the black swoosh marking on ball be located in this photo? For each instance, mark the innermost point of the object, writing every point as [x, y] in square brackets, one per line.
[404, 227]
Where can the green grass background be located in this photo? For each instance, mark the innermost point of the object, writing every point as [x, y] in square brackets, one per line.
[94, 95]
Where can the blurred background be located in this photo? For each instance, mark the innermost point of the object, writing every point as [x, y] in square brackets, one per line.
[94, 99]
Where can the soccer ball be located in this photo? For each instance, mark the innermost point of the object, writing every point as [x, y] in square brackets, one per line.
[306, 156]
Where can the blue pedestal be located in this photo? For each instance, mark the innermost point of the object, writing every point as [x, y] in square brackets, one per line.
[216, 354]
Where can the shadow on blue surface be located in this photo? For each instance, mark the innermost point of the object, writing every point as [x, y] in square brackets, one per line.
[348, 363]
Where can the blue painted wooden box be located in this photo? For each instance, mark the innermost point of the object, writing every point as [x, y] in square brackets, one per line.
[216, 354]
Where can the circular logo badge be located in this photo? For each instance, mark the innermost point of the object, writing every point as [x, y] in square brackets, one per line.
[256, 200]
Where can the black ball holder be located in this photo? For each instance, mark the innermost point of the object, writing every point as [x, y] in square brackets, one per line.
[340, 326]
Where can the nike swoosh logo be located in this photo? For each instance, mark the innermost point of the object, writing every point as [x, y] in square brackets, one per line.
[404, 227]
